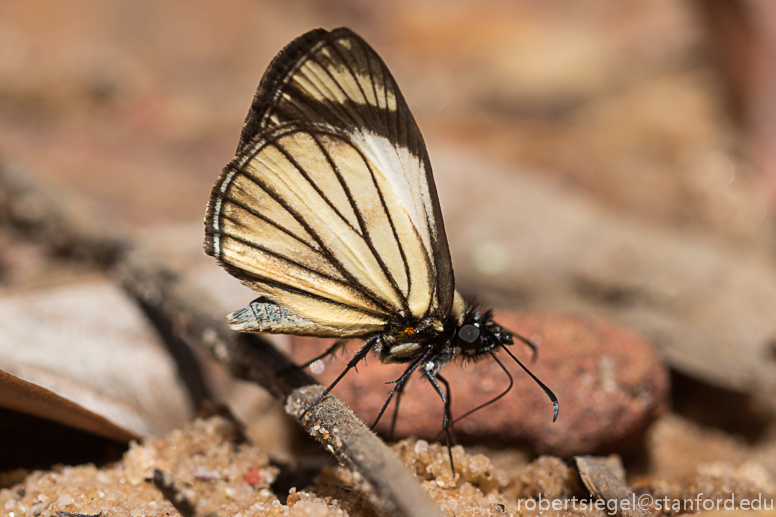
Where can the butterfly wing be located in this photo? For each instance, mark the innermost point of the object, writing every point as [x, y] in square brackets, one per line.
[329, 209]
[338, 80]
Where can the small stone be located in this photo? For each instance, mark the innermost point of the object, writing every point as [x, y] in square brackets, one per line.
[609, 381]
[64, 500]
[253, 476]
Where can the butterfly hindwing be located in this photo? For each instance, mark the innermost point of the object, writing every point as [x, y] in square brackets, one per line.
[329, 208]
[263, 315]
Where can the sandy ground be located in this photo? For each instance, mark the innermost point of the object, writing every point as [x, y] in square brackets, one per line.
[608, 131]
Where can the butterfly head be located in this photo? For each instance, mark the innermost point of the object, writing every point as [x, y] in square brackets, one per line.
[477, 334]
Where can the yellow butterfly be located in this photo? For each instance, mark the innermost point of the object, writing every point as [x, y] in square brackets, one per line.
[329, 211]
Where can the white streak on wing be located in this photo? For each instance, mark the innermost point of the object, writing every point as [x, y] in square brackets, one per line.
[406, 175]
[227, 180]
[402, 180]
[216, 237]
[217, 211]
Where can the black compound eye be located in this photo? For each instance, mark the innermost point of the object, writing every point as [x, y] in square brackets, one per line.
[469, 334]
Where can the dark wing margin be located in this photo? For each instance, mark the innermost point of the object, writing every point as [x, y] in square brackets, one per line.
[334, 84]
[280, 67]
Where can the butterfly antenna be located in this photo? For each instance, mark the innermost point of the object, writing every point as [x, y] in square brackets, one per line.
[547, 390]
[351, 364]
[530, 344]
[398, 386]
[491, 401]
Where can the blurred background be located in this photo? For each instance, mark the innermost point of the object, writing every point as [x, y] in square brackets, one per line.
[609, 158]
[658, 110]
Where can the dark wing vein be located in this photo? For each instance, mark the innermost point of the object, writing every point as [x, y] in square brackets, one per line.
[253, 276]
[361, 220]
[267, 220]
[386, 91]
[345, 62]
[312, 183]
[354, 283]
[284, 258]
[370, 242]
[373, 82]
[351, 113]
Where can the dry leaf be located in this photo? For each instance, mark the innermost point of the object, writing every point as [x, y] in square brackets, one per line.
[27, 397]
[85, 355]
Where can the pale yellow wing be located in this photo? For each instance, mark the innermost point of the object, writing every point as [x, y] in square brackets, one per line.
[329, 208]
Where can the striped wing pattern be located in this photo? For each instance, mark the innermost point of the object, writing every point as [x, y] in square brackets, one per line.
[329, 209]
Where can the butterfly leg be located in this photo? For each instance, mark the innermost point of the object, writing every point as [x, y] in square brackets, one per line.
[340, 343]
[449, 407]
[396, 412]
[489, 402]
[351, 364]
[446, 419]
[398, 387]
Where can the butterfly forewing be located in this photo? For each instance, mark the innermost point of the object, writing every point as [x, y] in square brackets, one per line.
[329, 208]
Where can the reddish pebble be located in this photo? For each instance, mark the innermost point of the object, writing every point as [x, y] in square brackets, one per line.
[610, 383]
[252, 477]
